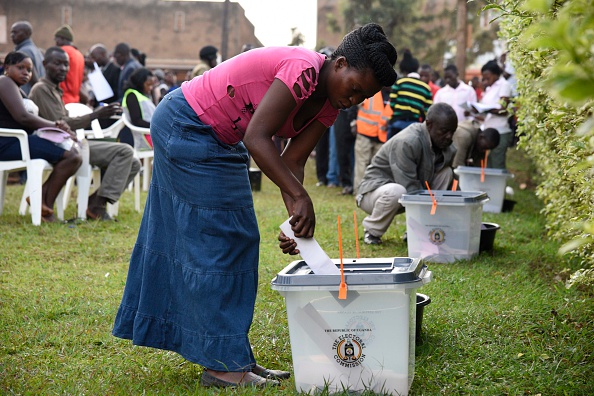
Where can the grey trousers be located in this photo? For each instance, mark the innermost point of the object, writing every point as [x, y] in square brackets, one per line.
[382, 203]
[119, 165]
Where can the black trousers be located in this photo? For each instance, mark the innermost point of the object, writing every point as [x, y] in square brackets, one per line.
[322, 157]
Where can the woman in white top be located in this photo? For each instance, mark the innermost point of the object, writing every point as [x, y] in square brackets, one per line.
[497, 95]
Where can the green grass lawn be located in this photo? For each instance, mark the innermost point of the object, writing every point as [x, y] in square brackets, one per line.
[500, 324]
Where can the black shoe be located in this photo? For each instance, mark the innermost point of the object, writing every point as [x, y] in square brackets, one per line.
[405, 237]
[101, 216]
[348, 190]
[372, 239]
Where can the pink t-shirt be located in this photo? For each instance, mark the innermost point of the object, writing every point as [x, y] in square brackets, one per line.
[250, 74]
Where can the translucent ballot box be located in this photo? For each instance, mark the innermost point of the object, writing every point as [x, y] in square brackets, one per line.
[452, 232]
[494, 184]
[365, 342]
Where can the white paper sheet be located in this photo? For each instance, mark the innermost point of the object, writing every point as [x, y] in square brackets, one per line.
[101, 88]
[479, 107]
[311, 252]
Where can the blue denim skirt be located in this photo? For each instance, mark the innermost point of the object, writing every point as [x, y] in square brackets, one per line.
[193, 275]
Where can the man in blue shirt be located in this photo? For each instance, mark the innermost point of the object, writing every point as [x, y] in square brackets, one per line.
[20, 34]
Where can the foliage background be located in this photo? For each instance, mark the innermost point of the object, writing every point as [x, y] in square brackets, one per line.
[550, 46]
[422, 26]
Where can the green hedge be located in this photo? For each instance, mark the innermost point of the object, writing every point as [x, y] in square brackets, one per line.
[551, 48]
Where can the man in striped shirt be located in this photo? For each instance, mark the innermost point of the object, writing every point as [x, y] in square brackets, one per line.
[410, 97]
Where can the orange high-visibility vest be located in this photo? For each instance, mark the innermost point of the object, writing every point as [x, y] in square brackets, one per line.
[373, 118]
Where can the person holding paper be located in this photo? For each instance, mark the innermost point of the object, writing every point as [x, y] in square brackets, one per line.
[99, 54]
[115, 159]
[193, 276]
[419, 153]
[13, 114]
[496, 98]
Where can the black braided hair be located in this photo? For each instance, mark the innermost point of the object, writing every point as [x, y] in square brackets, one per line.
[368, 47]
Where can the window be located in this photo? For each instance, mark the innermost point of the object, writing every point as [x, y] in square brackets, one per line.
[179, 21]
[67, 15]
[3, 29]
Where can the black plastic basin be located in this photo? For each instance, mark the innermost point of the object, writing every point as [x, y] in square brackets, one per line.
[488, 231]
[422, 301]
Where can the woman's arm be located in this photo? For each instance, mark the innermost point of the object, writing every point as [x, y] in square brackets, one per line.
[135, 111]
[12, 99]
[285, 172]
[504, 100]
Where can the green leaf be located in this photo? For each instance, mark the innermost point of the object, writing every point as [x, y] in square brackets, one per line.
[572, 245]
[491, 6]
[577, 90]
[541, 6]
[586, 128]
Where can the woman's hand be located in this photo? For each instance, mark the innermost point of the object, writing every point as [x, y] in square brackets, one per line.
[303, 221]
[61, 124]
[287, 245]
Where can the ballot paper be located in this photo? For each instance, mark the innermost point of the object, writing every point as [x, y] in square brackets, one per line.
[478, 107]
[312, 253]
[101, 88]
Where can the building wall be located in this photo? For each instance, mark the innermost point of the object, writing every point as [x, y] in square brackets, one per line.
[171, 33]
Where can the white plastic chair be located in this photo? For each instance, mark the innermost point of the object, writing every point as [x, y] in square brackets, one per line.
[79, 109]
[96, 132]
[88, 174]
[113, 130]
[145, 156]
[35, 169]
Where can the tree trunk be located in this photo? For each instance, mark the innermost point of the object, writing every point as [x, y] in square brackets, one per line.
[461, 39]
[225, 33]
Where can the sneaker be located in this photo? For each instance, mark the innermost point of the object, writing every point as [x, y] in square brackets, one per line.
[348, 190]
[372, 239]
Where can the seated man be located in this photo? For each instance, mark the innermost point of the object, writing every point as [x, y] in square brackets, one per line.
[115, 159]
[419, 153]
[471, 143]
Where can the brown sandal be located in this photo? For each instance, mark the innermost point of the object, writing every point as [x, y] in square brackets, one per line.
[45, 210]
[48, 219]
